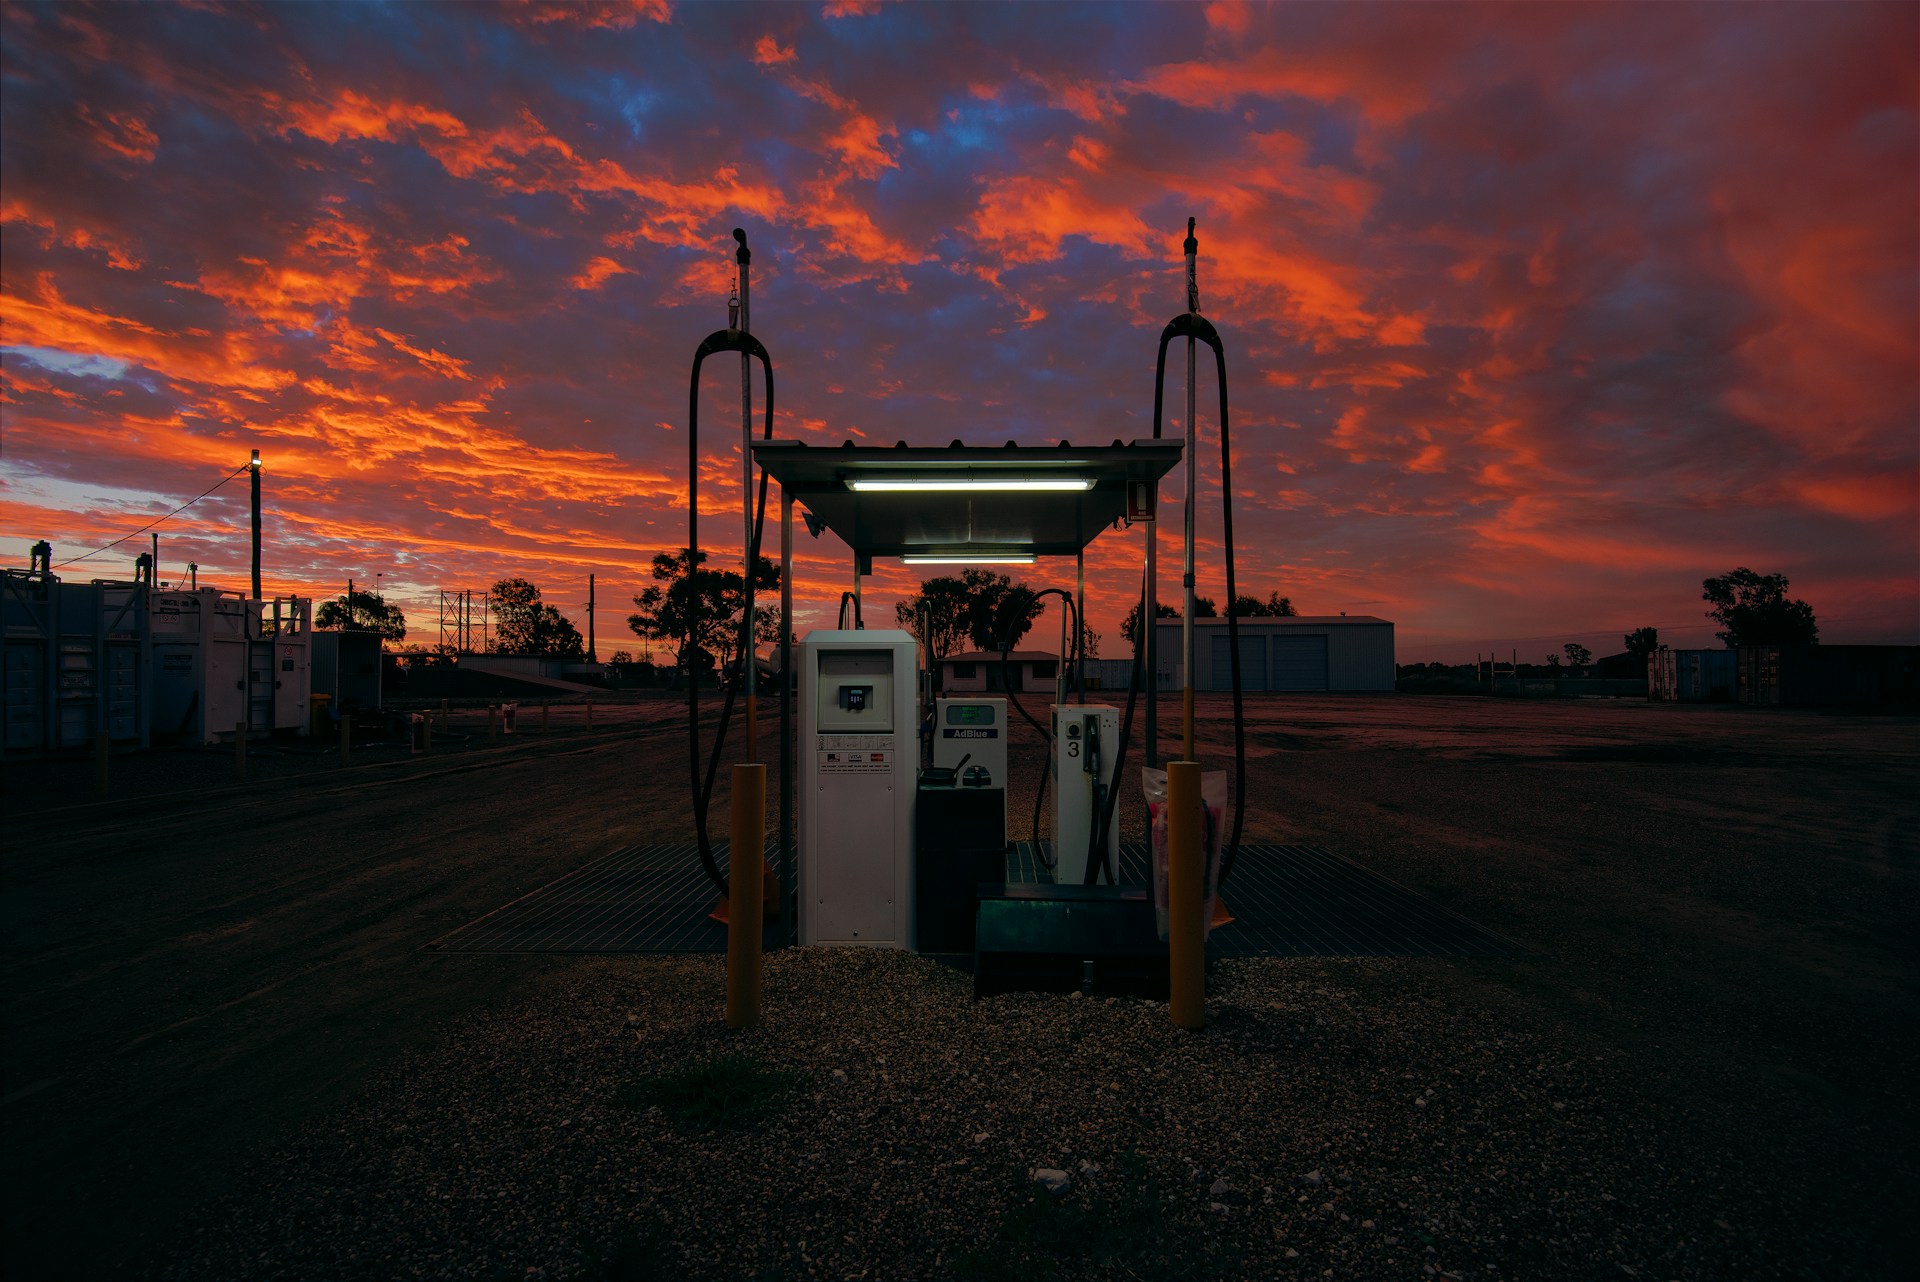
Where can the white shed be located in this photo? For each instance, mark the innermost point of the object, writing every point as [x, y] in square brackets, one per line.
[1309, 652]
[980, 671]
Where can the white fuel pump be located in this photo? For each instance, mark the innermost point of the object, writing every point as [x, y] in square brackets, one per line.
[1086, 741]
[856, 795]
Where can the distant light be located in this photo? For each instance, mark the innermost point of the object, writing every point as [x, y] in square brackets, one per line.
[255, 463]
[869, 485]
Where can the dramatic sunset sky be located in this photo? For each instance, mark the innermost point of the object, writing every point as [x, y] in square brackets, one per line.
[1536, 315]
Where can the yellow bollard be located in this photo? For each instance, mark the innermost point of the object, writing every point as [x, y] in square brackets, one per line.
[239, 750]
[101, 751]
[426, 735]
[1186, 898]
[346, 739]
[745, 864]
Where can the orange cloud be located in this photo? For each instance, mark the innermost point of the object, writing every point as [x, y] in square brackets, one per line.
[122, 133]
[45, 318]
[767, 52]
[437, 361]
[609, 15]
[596, 273]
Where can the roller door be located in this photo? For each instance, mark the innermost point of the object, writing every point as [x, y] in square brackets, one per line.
[1299, 663]
[1253, 663]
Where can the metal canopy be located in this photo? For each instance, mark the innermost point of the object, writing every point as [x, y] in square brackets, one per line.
[924, 522]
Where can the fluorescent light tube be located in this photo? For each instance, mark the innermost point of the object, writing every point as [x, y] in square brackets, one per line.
[881, 485]
[969, 558]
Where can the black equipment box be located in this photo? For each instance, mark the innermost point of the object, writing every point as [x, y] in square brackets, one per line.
[959, 842]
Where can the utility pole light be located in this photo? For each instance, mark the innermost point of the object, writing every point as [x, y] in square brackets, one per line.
[253, 469]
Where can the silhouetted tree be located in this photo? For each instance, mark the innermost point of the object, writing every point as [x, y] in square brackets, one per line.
[1578, 656]
[1130, 626]
[1089, 642]
[1753, 609]
[700, 613]
[949, 601]
[1553, 661]
[362, 611]
[1274, 607]
[1642, 642]
[523, 625]
[1002, 611]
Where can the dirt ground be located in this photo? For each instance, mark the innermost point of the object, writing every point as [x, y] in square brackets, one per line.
[1723, 898]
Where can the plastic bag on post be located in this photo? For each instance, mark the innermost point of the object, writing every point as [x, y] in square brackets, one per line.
[1213, 795]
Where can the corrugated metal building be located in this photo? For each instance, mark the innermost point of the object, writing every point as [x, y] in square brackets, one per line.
[1303, 653]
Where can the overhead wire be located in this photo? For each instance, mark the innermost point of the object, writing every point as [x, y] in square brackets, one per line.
[149, 525]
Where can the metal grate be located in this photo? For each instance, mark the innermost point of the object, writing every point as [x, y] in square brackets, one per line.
[642, 899]
[1287, 901]
[1306, 901]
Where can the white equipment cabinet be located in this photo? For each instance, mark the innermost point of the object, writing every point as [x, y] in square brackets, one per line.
[1086, 739]
[857, 759]
[976, 730]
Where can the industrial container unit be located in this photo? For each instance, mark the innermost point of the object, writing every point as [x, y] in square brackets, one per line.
[74, 661]
[347, 669]
[1691, 676]
[1830, 675]
[220, 659]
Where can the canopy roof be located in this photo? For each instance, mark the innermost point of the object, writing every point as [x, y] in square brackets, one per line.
[966, 501]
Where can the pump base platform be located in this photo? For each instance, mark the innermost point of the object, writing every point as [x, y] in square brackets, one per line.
[1040, 935]
[1288, 901]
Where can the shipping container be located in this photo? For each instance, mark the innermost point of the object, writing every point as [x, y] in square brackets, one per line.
[74, 661]
[220, 659]
[1830, 676]
[347, 669]
[1692, 676]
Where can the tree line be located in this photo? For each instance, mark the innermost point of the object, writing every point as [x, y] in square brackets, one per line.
[975, 608]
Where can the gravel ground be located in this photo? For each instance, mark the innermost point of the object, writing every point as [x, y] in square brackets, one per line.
[227, 1056]
[1352, 1119]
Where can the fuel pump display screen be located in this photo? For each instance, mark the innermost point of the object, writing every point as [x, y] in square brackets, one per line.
[970, 714]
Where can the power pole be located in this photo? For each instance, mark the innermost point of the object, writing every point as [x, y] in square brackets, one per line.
[593, 653]
[254, 468]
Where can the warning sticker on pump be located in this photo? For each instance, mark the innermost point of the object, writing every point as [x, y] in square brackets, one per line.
[856, 763]
[969, 734]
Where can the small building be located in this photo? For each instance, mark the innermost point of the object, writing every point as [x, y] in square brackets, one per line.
[982, 672]
[1299, 653]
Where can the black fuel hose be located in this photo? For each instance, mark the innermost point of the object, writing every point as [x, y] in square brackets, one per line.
[1193, 325]
[1046, 736]
[725, 340]
[1111, 810]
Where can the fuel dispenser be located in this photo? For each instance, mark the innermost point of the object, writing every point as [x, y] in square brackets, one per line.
[970, 738]
[1086, 744]
[856, 798]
